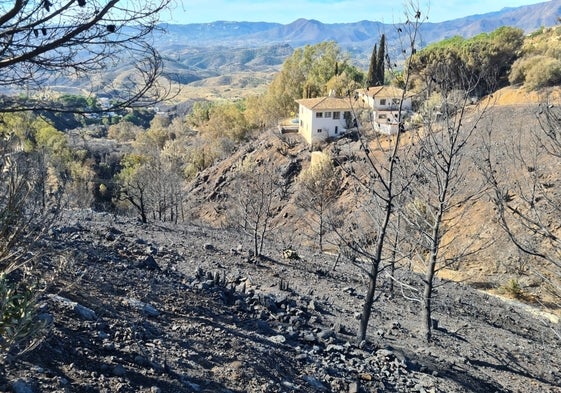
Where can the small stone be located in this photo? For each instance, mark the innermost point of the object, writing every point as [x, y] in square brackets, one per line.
[335, 348]
[21, 386]
[315, 383]
[309, 337]
[326, 334]
[119, 370]
[278, 339]
[149, 263]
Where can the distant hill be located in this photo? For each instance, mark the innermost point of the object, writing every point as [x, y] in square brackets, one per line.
[198, 51]
[355, 35]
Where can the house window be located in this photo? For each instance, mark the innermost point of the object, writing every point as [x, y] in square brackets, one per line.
[336, 115]
[396, 101]
[327, 114]
[336, 129]
[382, 101]
[382, 116]
[319, 130]
[319, 114]
[347, 114]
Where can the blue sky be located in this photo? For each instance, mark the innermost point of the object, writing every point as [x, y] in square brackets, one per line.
[328, 11]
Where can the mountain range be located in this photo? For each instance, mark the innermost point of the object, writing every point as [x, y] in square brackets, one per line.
[354, 35]
[217, 53]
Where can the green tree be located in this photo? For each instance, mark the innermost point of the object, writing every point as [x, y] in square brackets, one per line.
[487, 55]
[380, 62]
[305, 73]
[134, 182]
[371, 75]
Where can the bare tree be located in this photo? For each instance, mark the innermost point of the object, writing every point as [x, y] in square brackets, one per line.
[440, 192]
[382, 184]
[42, 42]
[524, 180]
[319, 188]
[258, 189]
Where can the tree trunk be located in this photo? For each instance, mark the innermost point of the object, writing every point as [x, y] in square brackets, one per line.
[427, 297]
[368, 302]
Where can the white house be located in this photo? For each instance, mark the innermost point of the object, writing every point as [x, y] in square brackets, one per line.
[326, 117]
[385, 102]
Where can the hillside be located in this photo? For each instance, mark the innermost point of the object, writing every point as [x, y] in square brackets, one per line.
[212, 192]
[183, 308]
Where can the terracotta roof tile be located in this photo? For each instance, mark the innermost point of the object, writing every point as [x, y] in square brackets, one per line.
[323, 103]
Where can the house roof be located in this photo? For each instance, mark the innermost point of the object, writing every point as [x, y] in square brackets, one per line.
[330, 102]
[383, 91]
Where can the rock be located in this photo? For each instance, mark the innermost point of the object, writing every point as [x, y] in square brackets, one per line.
[314, 306]
[385, 353]
[315, 383]
[145, 308]
[141, 361]
[278, 339]
[326, 334]
[151, 250]
[354, 387]
[119, 371]
[290, 254]
[209, 247]
[309, 337]
[21, 386]
[335, 348]
[83, 311]
[149, 263]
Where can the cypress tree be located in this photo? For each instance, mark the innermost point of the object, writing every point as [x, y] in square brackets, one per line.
[379, 74]
[371, 76]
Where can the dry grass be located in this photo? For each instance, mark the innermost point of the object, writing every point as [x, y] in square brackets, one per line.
[520, 96]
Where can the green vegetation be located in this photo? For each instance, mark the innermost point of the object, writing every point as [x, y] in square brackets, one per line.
[376, 70]
[540, 62]
[19, 322]
[309, 73]
[512, 289]
[487, 57]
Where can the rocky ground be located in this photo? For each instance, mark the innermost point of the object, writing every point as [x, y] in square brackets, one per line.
[184, 308]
